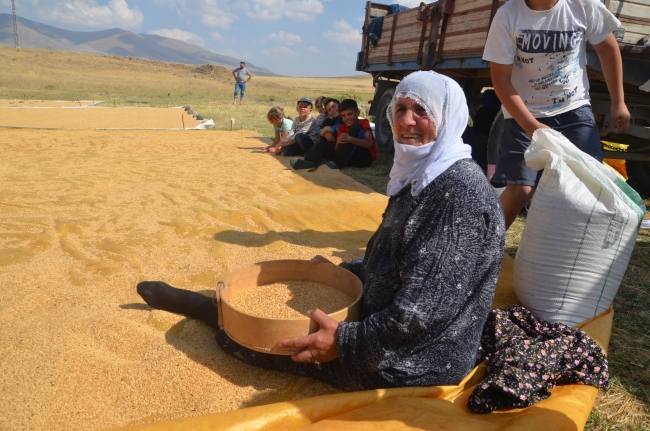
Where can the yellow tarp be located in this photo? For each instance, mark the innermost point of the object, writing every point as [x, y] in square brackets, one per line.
[428, 408]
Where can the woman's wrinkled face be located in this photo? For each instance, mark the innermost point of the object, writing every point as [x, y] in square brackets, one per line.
[411, 124]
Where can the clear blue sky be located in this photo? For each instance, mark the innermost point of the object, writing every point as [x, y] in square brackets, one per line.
[290, 37]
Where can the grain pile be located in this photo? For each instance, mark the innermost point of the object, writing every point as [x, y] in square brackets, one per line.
[16, 103]
[85, 215]
[94, 117]
[290, 300]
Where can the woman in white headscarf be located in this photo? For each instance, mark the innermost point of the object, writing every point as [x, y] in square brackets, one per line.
[428, 115]
[429, 271]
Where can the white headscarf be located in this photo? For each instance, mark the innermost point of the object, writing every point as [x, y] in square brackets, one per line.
[445, 104]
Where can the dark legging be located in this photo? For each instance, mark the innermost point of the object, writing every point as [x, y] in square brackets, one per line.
[331, 372]
[323, 149]
[195, 305]
[303, 144]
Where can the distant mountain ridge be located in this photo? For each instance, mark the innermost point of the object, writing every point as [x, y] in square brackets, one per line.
[115, 41]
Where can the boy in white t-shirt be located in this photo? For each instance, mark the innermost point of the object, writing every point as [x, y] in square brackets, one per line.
[537, 50]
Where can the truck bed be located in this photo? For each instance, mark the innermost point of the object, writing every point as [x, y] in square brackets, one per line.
[451, 34]
[449, 37]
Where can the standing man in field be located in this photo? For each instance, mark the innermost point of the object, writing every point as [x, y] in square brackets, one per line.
[242, 76]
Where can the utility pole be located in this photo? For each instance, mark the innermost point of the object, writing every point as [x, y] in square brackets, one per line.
[13, 8]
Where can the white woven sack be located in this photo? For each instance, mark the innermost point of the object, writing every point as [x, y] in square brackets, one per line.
[579, 234]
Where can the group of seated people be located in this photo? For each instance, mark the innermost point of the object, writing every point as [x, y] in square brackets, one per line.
[337, 135]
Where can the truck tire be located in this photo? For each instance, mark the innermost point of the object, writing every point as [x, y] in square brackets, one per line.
[383, 132]
[638, 172]
[495, 136]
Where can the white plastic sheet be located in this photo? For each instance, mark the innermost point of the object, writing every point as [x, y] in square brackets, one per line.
[646, 86]
[207, 124]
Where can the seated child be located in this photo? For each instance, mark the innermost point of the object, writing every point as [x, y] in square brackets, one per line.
[327, 130]
[322, 113]
[304, 131]
[355, 143]
[281, 125]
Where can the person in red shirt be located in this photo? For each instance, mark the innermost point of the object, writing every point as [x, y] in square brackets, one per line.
[355, 144]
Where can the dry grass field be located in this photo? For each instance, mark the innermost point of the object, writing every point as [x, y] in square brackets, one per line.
[27, 75]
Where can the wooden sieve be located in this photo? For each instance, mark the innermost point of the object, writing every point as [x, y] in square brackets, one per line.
[263, 334]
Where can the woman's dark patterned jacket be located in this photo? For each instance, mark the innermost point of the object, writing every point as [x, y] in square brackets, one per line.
[431, 270]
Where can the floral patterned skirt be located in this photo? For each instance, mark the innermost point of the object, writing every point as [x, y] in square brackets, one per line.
[527, 357]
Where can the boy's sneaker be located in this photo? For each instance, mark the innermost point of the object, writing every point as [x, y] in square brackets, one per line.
[298, 163]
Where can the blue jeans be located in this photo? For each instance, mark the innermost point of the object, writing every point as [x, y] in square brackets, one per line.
[240, 86]
[300, 147]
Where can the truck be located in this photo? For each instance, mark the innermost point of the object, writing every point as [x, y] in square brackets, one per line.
[448, 36]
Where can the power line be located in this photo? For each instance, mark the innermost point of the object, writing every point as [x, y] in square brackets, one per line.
[13, 8]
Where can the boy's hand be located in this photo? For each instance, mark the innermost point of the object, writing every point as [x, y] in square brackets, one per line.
[620, 118]
[534, 126]
[343, 139]
[330, 137]
[610, 59]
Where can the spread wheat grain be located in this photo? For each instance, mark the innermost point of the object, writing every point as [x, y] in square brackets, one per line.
[90, 213]
[290, 300]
